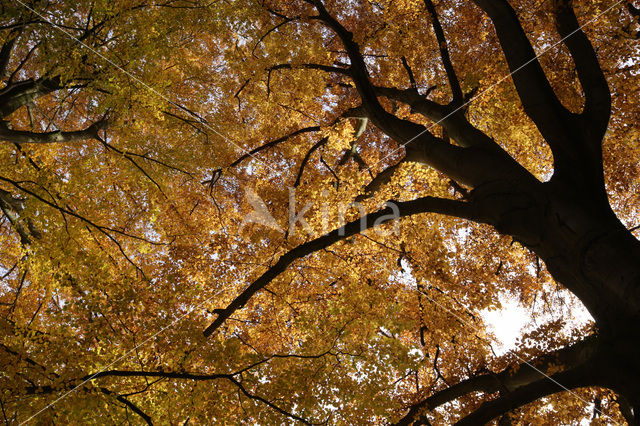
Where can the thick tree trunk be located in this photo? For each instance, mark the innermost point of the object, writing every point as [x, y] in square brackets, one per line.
[588, 250]
[583, 244]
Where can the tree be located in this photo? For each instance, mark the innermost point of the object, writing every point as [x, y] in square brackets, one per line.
[140, 142]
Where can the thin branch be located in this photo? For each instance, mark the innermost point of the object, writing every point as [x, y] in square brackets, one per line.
[456, 91]
[270, 144]
[412, 79]
[315, 146]
[129, 404]
[400, 209]
[64, 210]
[275, 28]
[267, 402]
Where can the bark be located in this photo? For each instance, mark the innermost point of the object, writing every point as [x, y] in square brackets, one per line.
[17, 95]
[21, 136]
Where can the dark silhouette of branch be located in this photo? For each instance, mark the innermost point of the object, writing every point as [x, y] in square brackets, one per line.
[597, 108]
[407, 68]
[129, 404]
[273, 143]
[456, 91]
[510, 379]
[19, 94]
[490, 410]
[69, 212]
[379, 181]
[306, 159]
[406, 208]
[272, 29]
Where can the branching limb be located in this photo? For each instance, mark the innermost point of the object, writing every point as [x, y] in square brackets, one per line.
[381, 179]
[576, 163]
[273, 143]
[456, 125]
[232, 377]
[275, 28]
[69, 212]
[267, 402]
[129, 404]
[402, 209]
[416, 139]
[17, 95]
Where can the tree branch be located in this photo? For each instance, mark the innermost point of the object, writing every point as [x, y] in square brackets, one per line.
[538, 98]
[275, 28]
[69, 212]
[306, 159]
[416, 139]
[412, 79]
[273, 143]
[10, 209]
[18, 94]
[7, 48]
[129, 404]
[456, 91]
[406, 208]
[454, 122]
[379, 181]
[571, 379]
[597, 108]
[21, 136]
[267, 402]
[510, 379]
[318, 67]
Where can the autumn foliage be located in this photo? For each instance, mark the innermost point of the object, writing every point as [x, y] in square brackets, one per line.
[136, 137]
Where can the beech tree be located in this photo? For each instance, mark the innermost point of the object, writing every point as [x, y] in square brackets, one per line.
[301, 211]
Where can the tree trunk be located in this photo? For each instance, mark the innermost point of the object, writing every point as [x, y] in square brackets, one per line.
[588, 250]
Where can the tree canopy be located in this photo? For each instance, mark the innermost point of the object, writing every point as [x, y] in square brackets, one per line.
[301, 211]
